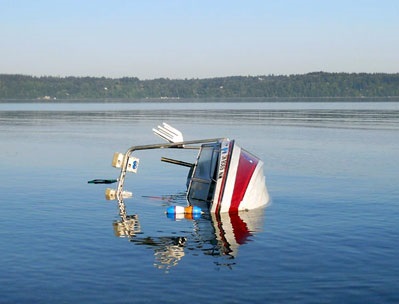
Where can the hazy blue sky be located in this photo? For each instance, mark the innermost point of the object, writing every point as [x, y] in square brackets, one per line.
[197, 39]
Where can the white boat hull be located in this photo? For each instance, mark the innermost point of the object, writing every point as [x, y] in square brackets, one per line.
[242, 185]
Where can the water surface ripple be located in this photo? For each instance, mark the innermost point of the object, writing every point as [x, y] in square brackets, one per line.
[330, 235]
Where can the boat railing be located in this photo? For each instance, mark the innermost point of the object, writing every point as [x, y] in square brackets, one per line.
[126, 162]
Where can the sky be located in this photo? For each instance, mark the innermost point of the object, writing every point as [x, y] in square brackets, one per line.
[184, 39]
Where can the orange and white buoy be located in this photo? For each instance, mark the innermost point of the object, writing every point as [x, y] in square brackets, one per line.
[180, 212]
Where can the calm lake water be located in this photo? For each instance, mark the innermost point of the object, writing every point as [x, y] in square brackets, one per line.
[330, 234]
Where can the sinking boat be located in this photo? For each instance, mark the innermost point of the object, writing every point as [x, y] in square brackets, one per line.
[223, 178]
[227, 177]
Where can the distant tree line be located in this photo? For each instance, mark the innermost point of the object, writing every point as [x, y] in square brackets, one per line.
[318, 84]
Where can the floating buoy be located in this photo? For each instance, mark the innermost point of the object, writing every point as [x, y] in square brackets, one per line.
[180, 212]
[184, 210]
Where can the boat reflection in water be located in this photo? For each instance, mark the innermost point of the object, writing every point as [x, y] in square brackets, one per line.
[216, 235]
[168, 251]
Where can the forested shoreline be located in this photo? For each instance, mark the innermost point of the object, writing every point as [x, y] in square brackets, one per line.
[317, 85]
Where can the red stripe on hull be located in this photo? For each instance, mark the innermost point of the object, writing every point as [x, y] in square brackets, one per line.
[246, 167]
